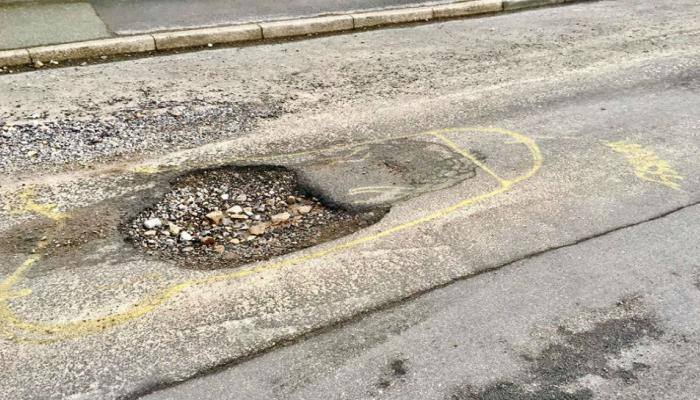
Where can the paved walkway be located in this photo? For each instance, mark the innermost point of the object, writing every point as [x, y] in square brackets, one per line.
[28, 24]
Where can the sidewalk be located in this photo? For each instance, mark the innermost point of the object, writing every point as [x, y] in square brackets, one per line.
[37, 23]
[39, 32]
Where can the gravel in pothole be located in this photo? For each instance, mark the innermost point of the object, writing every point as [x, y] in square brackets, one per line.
[232, 216]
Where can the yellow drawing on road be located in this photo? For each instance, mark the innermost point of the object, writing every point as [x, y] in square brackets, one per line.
[27, 205]
[647, 165]
[17, 329]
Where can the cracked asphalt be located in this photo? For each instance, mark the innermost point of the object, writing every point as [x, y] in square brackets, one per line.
[558, 325]
[541, 170]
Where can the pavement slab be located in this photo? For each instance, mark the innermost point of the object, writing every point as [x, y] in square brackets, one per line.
[540, 137]
[133, 16]
[40, 23]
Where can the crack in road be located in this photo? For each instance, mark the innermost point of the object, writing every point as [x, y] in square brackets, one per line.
[155, 387]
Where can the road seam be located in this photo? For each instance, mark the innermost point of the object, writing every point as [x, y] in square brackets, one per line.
[292, 339]
[260, 31]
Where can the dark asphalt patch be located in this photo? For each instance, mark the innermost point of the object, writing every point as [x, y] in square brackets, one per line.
[384, 173]
[511, 391]
[398, 367]
[574, 356]
[396, 370]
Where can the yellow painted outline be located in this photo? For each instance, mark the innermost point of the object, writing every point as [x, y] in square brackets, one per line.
[9, 322]
[647, 164]
[29, 206]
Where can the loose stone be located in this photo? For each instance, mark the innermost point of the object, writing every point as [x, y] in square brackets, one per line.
[304, 209]
[185, 236]
[258, 229]
[215, 217]
[234, 210]
[174, 229]
[279, 218]
[152, 223]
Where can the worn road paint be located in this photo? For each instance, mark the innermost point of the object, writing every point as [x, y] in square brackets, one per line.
[18, 330]
[27, 205]
[647, 165]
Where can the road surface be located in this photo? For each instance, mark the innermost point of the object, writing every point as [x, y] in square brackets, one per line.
[552, 243]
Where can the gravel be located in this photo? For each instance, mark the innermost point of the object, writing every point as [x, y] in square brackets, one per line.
[147, 126]
[231, 216]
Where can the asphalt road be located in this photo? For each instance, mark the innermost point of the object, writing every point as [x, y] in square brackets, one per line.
[614, 317]
[550, 180]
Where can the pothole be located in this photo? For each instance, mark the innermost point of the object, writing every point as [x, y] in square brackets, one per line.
[231, 216]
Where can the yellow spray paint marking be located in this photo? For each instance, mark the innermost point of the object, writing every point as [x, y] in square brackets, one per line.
[29, 206]
[16, 294]
[12, 325]
[647, 165]
[473, 159]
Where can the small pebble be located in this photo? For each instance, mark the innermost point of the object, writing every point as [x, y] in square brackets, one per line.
[185, 236]
[152, 223]
[279, 218]
[215, 217]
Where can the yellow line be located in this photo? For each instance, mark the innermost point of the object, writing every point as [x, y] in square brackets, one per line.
[29, 206]
[9, 322]
[471, 158]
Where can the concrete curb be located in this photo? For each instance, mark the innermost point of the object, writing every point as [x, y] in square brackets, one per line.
[391, 17]
[468, 8]
[203, 37]
[306, 26]
[93, 48]
[252, 32]
[14, 57]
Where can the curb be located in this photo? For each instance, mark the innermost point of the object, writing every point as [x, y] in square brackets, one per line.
[203, 37]
[14, 57]
[93, 48]
[306, 26]
[391, 17]
[253, 32]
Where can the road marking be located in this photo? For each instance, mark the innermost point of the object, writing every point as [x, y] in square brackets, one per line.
[470, 157]
[647, 165]
[29, 206]
[11, 326]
